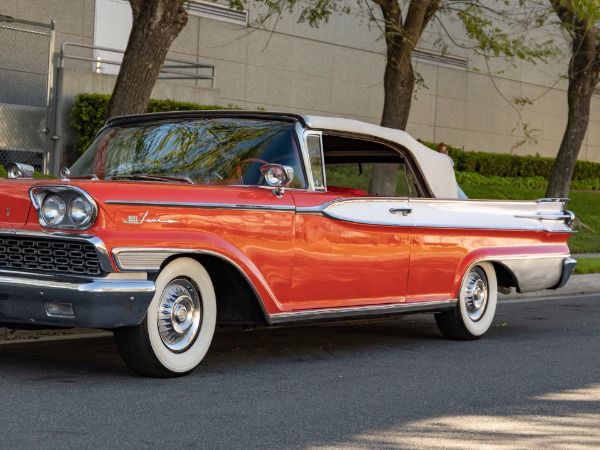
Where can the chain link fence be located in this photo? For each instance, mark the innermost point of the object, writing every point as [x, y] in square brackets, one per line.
[25, 73]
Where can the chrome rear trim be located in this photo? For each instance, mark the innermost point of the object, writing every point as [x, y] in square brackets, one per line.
[535, 272]
[568, 268]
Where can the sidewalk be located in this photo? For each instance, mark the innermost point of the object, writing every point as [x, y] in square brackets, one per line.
[577, 285]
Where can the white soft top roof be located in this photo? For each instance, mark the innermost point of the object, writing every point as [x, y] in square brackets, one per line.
[437, 168]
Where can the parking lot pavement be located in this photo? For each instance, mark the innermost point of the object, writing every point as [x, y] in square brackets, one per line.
[531, 382]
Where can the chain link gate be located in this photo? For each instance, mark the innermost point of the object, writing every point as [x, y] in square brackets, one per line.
[26, 50]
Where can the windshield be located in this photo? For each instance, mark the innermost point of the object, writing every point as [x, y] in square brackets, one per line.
[205, 151]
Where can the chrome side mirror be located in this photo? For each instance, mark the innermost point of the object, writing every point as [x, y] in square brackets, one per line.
[277, 176]
[18, 170]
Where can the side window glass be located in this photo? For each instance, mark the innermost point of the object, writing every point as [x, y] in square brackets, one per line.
[357, 167]
[355, 178]
[313, 143]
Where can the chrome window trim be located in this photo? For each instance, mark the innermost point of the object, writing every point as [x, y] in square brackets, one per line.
[361, 311]
[103, 256]
[306, 154]
[203, 205]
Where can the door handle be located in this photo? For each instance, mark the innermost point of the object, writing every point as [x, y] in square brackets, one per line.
[403, 211]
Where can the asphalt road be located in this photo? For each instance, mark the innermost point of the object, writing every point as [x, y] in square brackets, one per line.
[533, 381]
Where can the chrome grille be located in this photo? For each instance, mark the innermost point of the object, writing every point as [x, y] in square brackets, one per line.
[48, 256]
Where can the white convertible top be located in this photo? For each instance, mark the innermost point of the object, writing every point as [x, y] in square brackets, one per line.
[437, 168]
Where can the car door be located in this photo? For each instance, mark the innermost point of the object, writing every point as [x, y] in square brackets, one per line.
[349, 249]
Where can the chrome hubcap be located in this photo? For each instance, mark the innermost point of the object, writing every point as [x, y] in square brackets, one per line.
[476, 294]
[179, 315]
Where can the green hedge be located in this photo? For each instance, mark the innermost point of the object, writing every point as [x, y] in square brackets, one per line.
[89, 114]
[513, 166]
[476, 179]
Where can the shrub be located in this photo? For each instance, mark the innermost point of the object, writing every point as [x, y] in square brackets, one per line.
[513, 166]
[476, 179]
[89, 114]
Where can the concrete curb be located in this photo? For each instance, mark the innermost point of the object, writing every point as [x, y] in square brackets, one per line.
[577, 285]
[21, 336]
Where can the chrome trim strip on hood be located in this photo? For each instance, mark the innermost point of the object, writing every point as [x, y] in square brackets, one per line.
[202, 205]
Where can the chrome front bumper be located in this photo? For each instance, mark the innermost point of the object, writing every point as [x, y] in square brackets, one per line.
[109, 302]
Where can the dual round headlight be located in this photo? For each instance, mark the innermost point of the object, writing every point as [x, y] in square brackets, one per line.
[78, 213]
[64, 207]
[53, 210]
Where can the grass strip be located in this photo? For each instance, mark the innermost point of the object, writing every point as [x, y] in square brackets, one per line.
[587, 265]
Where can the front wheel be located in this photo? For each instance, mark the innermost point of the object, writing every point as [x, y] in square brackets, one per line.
[476, 306]
[179, 326]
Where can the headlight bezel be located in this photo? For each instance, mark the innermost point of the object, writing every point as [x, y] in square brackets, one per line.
[41, 193]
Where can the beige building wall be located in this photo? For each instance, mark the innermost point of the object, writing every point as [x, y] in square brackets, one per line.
[337, 70]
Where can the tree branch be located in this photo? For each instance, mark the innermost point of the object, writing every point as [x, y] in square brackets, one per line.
[566, 16]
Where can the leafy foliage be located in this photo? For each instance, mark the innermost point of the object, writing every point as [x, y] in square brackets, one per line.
[479, 22]
[89, 114]
[476, 179]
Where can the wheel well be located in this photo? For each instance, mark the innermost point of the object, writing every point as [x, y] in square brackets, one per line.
[505, 276]
[237, 302]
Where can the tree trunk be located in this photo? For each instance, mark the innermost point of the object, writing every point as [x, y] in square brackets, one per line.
[399, 82]
[156, 24]
[399, 79]
[584, 73]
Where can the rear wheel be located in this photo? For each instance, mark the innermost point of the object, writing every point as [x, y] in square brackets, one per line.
[476, 306]
[179, 326]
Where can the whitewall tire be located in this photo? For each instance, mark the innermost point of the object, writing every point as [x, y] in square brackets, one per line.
[476, 305]
[178, 329]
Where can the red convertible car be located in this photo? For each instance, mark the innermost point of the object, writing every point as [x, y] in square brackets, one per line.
[172, 223]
